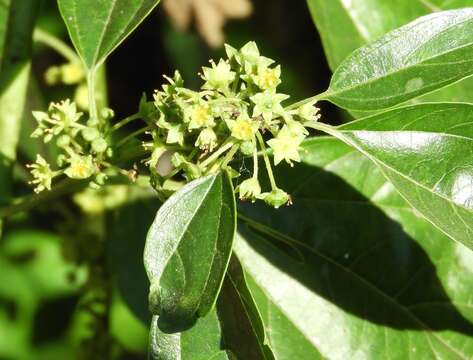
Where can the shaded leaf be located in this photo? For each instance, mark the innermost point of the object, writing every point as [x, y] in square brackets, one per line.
[188, 248]
[397, 288]
[127, 229]
[424, 55]
[20, 16]
[98, 27]
[243, 329]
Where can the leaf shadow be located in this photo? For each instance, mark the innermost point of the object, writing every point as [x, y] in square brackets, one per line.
[127, 229]
[347, 250]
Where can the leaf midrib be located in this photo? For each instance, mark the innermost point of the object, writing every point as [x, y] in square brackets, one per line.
[356, 276]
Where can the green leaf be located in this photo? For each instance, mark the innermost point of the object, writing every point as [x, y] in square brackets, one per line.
[424, 55]
[201, 342]
[188, 248]
[127, 229]
[361, 275]
[15, 63]
[98, 27]
[425, 151]
[243, 329]
[344, 28]
[233, 327]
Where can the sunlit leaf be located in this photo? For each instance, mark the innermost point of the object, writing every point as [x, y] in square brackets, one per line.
[97, 27]
[188, 248]
[361, 275]
[424, 55]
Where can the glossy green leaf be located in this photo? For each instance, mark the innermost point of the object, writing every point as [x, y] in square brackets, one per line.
[201, 342]
[14, 74]
[332, 287]
[344, 27]
[426, 152]
[233, 327]
[97, 27]
[424, 55]
[188, 248]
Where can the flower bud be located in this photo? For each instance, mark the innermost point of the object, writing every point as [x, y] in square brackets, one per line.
[63, 141]
[81, 167]
[309, 112]
[81, 97]
[72, 73]
[107, 113]
[101, 178]
[247, 147]
[61, 160]
[99, 145]
[90, 134]
[52, 76]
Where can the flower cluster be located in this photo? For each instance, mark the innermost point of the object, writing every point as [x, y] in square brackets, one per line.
[83, 146]
[237, 110]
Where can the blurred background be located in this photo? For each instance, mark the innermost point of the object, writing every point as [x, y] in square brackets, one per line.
[56, 297]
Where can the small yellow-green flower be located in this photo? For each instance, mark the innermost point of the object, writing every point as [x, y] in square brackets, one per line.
[309, 112]
[200, 116]
[268, 104]
[207, 139]
[276, 198]
[80, 167]
[296, 128]
[60, 116]
[42, 174]
[243, 128]
[266, 78]
[249, 189]
[218, 77]
[285, 146]
[175, 134]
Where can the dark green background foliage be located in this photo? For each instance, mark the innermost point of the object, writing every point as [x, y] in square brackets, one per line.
[372, 261]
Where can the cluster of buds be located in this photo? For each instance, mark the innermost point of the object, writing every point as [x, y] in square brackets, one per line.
[71, 73]
[83, 146]
[237, 110]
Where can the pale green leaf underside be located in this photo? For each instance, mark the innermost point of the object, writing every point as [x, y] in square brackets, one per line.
[97, 27]
[397, 289]
[427, 54]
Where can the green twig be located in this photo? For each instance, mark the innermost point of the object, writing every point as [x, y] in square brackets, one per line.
[132, 135]
[91, 91]
[125, 121]
[266, 161]
[56, 44]
[306, 101]
[216, 154]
